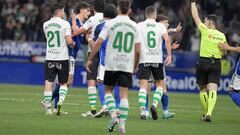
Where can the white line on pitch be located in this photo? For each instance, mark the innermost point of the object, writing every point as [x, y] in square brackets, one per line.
[12, 99]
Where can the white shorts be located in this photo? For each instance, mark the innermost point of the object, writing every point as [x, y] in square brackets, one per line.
[71, 65]
[235, 82]
[101, 72]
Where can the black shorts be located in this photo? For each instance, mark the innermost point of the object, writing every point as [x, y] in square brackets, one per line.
[122, 79]
[93, 68]
[53, 68]
[208, 70]
[145, 70]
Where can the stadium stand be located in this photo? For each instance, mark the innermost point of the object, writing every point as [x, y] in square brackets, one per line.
[21, 20]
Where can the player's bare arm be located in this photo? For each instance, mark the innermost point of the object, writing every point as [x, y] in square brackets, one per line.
[69, 41]
[89, 38]
[76, 30]
[177, 29]
[94, 51]
[168, 47]
[229, 48]
[137, 56]
[90, 42]
[195, 13]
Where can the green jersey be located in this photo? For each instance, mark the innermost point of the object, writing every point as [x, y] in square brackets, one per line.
[210, 39]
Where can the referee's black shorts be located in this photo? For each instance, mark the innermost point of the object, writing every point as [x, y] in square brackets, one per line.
[208, 70]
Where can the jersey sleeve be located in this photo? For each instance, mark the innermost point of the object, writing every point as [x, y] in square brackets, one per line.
[224, 39]
[137, 40]
[43, 27]
[104, 32]
[164, 29]
[68, 30]
[97, 32]
[88, 24]
[44, 30]
[202, 27]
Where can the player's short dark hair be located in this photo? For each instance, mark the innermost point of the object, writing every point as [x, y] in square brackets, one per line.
[124, 6]
[110, 11]
[150, 10]
[81, 5]
[114, 2]
[213, 18]
[161, 18]
[55, 7]
[98, 5]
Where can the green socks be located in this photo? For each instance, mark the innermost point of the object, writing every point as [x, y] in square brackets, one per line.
[111, 104]
[48, 98]
[62, 93]
[142, 95]
[92, 97]
[157, 96]
[123, 110]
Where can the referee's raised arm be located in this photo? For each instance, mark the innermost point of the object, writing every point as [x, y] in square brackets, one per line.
[208, 68]
[195, 13]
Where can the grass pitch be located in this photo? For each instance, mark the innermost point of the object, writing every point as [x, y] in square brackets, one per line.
[22, 114]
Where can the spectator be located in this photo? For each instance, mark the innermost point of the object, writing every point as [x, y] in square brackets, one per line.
[8, 26]
[19, 32]
[32, 14]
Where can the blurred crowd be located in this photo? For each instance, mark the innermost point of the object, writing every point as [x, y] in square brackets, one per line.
[22, 20]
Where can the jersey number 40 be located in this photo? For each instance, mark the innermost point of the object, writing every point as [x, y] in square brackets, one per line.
[124, 42]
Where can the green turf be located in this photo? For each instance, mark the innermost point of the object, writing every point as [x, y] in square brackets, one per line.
[21, 114]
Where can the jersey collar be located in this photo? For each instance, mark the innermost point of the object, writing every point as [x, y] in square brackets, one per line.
[56, 17]
[123, 16]
[150, 20]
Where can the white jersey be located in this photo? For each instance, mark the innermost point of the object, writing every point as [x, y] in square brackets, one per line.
[122, 34]
[55, 31]
[151, 38]
[235, 82]
[93, 22]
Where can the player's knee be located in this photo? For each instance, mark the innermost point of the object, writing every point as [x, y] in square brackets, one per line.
[91, 83]
[123, 95]
[202, 88]
[63, 85]
[159, 83]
